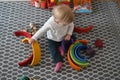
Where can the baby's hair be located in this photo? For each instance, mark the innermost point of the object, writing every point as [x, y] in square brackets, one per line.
[63, 12]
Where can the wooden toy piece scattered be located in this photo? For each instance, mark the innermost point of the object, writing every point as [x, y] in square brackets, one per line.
[99, 43]
[83, 30]
[33, 27]
[32, 24]
[26, 78]
[36, 52]
[83, 41]
[26, 61]
[22, 33]
[90, 52]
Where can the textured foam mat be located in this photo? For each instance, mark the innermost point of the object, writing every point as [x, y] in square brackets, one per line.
[105, 65]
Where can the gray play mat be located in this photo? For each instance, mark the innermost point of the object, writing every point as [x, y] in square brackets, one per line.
[105, 65]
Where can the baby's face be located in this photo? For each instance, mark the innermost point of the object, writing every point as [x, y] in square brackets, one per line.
[58, 21]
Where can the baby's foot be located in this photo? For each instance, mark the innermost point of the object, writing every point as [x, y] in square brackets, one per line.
[61, 51]
[58, 66]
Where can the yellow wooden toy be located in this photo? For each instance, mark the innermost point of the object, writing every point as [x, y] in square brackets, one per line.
[36, 52]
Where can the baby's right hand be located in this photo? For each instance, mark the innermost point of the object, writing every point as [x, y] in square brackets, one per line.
[31, 41]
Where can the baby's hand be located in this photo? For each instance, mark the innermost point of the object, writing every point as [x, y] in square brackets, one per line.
[31, 41]
[67, 37]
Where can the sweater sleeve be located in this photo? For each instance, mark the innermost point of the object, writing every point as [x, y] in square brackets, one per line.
[71, 28]
[43, 29]
[40, 32]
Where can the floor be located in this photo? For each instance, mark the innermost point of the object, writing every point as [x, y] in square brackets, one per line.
[105, 65]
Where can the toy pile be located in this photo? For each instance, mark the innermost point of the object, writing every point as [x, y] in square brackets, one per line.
[73, 49]
[80, 6]
[48, 3]
[34, 57]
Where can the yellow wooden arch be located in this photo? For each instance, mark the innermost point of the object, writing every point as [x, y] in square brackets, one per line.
[36, 52]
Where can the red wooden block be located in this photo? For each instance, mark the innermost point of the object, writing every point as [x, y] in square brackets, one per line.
[99, 43]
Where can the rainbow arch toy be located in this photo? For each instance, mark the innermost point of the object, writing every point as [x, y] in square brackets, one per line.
[75, 60]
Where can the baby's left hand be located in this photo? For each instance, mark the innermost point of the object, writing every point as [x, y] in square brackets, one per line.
[67, 37]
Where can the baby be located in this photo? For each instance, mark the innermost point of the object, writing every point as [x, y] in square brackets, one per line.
[58, 27]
